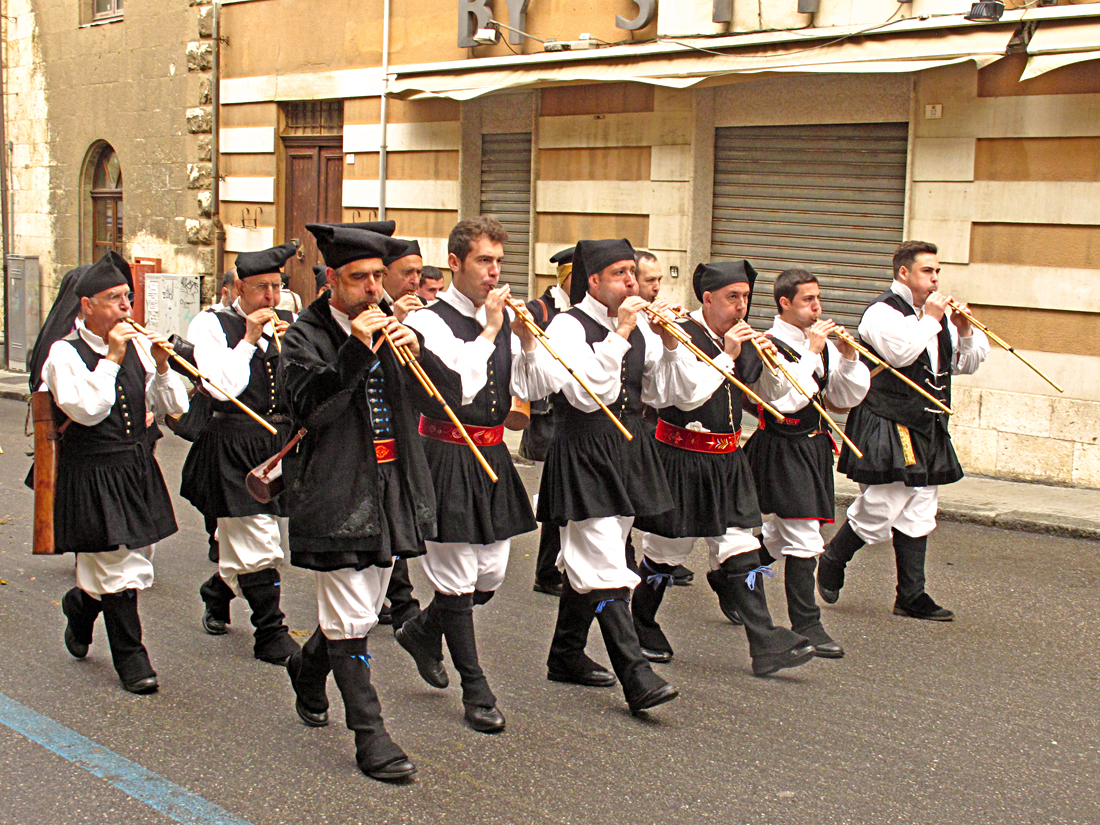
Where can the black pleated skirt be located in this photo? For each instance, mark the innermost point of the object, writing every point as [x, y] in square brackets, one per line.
[883, 459]
[794, 476]
[111, 500]
[213, 477]
[592, 471]
[398, 536]
[471, 508]
[711, 493]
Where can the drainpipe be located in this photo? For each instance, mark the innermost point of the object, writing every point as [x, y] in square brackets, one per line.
[382, 148]
[5, 239]
[215, 148]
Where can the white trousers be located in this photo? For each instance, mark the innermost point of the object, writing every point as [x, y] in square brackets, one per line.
[734, 542]
[99, 574]
[454, 568]
[250, 544]
[593, 554]
[348, 601]
[880, 507]
[799, 537]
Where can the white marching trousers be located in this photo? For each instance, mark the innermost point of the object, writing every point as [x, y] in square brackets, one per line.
[348, 601]
[880, 507]
[454, 568]
[799, 537]
[593, 554]
[735, 541]
[99, 574]
[249, 544]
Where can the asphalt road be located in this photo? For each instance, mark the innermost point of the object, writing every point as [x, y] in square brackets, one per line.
[990, 719]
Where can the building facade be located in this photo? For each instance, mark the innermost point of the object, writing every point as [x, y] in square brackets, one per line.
[814, 133]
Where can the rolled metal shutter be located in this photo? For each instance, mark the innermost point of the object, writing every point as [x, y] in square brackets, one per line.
[506, 196]
[829, 199]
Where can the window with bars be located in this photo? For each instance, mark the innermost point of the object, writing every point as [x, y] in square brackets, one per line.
[106, 197]
[102, 9]
[313, 117]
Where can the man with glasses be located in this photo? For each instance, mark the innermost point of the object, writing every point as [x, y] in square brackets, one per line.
[111, 503]
[235, 348]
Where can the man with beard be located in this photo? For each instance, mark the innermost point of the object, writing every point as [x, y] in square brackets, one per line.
[111, 504]
[358, 490]
[469, 353]
[711, 483]
[234, 347]
[792, 459]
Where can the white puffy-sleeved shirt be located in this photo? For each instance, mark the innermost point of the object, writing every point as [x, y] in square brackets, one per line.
[900, 339]
[669, 376]
[849, 380]
[470, 359]
[229, 368]
[87, 396]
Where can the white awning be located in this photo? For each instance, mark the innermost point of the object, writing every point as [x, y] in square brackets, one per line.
[911, 52]
[1055, 45]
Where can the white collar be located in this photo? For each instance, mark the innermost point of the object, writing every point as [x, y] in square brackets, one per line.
[561, 298]
[464, 305]
[90, 338]
[386, 297]
[341, 318]
[697, 316]
[237, 307]
[898, 288]
[789, 332]
[599, 312]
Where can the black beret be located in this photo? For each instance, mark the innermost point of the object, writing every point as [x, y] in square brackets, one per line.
[343, 244]
[381, 227]
[265, 261]
[713, 276]
[411, 248]
[591, 257]
[109, 271]
[563, 257]
[320, 275]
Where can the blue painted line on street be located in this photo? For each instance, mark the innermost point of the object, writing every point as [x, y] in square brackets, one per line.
[140, 783]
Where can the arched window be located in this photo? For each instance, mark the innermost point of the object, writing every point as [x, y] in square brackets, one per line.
[106, 203]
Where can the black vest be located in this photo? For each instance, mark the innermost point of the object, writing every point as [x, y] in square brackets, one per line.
[629, 402]
[806, 420]
[261, 394]
[490, 406]
[124, 426]
[722, 411]
[893, 399]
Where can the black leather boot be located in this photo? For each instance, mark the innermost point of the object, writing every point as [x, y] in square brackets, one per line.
[403, 605]
[647, 599]
[726, 604]
[377, 755]
[642, 687]
[798, 581]
[272, 637]
[308, 669]
[422, 638]
[772, 648]
[81, 610]
[567, 661]
[457, 618]
[909, 553]
[548, 579]
[216, 596]
[830, 567]
[120, 615]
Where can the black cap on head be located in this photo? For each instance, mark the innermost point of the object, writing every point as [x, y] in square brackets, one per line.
[563, 257]
[320, 275]
[264, 261]
[381, 227]
[714, 276]
[109, 271]
[342, 244]
[411, 248]
[590, 257]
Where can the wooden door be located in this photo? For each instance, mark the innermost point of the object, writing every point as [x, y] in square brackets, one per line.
[314, 194]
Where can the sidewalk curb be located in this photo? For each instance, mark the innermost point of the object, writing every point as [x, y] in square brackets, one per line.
[15, 395]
